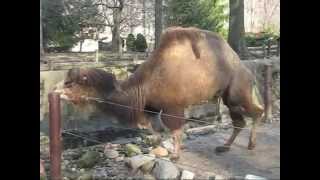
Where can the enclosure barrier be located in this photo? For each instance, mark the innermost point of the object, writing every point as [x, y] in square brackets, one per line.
[55, 136]
[55, 123]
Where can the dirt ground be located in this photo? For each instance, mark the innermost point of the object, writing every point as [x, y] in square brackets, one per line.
[263, 161]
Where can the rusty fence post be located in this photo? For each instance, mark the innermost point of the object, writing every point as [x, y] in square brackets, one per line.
[268, 93]
[55, 136]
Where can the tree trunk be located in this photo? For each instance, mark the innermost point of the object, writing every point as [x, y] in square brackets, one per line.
[158, 22]
[236, 37]
[116, 41]
[41, 32]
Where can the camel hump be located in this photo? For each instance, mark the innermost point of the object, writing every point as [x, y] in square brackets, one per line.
[180, 34]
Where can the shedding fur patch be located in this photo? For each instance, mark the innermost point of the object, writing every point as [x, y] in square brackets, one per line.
[256, 97]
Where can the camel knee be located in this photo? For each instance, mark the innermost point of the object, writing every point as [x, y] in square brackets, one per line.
[237, 120]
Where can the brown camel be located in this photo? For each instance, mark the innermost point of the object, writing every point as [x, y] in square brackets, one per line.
[189, 67]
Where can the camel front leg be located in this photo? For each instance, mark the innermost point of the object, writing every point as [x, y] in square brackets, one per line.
[174, 120]
[176, 135]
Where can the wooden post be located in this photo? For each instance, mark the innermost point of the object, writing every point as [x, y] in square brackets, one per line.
[264, 50]
[269, 49]
[97, 54]
[268, 93]
[278, 47]
[50, 64]
[55, 136]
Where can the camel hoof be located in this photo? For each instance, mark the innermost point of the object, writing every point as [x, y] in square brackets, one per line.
[174, 157]
[182, 146]
[251, 146]
[221, 149]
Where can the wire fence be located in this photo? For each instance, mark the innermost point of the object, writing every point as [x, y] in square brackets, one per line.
[99, 100]
[218, 128]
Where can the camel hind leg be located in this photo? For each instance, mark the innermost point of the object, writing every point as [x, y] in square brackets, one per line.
[243, 100]
[238, 124]
[256, 110]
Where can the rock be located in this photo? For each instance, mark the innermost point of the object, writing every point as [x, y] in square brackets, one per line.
[146, 150]
[89, 159]
[100, 173]
[202, 130]
[119, 158]
[85, 176]
[165, 170]
[70, 174]
[43, 177]
[148, 177]
[132, 150]
[137, 161]
[168, 144]
[219, 177]
[152, 140]
[236, 178]
[110, 153]
[71, 155]
[254, 177]
[159, 151]
[147, 167]
[44, 140]
[187, 175]
[111, 146]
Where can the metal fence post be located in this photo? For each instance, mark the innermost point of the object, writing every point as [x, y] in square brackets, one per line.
[55, 136]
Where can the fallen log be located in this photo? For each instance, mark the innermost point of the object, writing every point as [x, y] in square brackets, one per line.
[202, 130]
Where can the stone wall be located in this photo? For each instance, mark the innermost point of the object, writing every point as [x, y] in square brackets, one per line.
[73, 117]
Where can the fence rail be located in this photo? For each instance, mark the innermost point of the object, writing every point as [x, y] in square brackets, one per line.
[266, 50]
[65, 61]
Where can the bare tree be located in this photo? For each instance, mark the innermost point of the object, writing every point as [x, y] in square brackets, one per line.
[120, 15]
[269, 9]
[41, 32]
[158, 22]
[236, 37]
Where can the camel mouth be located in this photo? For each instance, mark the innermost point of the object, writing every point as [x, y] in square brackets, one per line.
[62, 94]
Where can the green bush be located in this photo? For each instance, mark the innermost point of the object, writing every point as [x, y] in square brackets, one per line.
[130, 42]
[140, 43]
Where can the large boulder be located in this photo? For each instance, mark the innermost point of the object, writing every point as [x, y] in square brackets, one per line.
[137, 161]
[165, 169]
